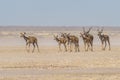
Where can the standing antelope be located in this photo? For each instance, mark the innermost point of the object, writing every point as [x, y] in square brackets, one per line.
[104, 39]
[75, 40]
[87, 42]
[89, 36]
[60, 41]
[64, 35]
[30, 40]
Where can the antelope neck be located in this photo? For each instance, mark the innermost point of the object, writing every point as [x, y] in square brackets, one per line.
[25, 38]
[57, 39]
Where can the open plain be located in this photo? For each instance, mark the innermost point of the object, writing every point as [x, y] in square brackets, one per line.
[51, 64]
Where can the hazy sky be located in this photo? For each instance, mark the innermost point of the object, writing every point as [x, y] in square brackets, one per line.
[60, 12]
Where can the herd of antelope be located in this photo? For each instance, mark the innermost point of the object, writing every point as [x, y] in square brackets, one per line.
[69, 40]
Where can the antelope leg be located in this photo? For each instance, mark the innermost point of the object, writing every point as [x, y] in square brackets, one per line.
[33, 47]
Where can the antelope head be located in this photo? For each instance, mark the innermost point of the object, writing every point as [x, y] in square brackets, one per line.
[100, 31]
[82, 35]
[22, 34]
[55, 37]
[86, 32]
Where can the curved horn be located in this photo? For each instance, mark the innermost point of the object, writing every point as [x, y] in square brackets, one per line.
[89, 29]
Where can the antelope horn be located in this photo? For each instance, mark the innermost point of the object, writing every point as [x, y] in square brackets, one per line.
[89, 29]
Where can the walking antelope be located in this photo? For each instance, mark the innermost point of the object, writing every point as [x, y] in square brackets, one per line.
[73, 39]
[60, 41]
[30, 40]
[89, 36]
[104, 39]
[87, 42]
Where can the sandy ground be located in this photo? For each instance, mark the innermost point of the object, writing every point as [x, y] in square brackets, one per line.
[50, 64]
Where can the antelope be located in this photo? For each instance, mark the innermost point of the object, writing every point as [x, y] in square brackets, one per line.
[104, 39]
[30, 40]
[64, 35]
[87, 42]
[60, 41]
[89, 36]
[75, 40]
